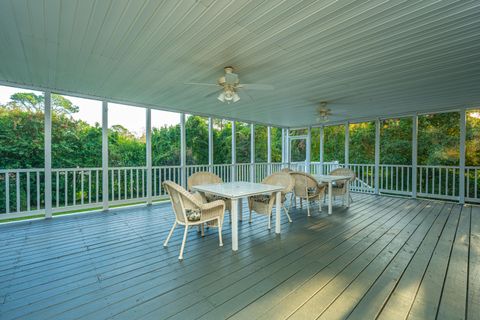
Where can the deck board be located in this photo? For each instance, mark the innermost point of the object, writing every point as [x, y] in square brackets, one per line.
[385, 256]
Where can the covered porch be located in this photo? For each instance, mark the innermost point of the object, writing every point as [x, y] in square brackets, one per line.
[102, 102]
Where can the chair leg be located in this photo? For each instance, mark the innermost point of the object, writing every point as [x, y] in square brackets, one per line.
[220, 232]
[270, 221]
[286, 212]
[301, 203]
[170, 234]
[308, 208]
[250, 217]
[320, 203]
[351, 199]
[202, 228]
[180, 256]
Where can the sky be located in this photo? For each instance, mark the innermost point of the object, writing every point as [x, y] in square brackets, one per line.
[90, 111]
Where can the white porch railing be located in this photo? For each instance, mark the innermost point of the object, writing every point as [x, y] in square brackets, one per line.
[22, 190]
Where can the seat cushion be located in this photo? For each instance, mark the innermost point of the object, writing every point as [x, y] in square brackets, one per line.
[263, 198]
[193, 214]
[312, 191]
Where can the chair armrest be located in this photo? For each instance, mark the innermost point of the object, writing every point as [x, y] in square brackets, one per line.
[212, 205]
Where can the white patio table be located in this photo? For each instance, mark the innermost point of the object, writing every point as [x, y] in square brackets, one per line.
[330, 179]
[236, 191]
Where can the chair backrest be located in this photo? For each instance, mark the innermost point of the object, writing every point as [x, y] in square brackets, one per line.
[281, 179]
[286, 170]
[202, 177]
[181, 200]
[344, 172]
[303, 181]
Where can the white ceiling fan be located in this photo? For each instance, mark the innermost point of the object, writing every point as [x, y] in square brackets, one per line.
[230, 85]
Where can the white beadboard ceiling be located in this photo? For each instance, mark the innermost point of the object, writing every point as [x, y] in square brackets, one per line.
[371, 58]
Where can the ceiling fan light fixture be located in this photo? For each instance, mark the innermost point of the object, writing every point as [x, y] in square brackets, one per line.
[221, 97]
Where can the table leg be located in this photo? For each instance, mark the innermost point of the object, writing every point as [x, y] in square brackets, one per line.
[234, 217]
[330, 198]
[348, 195]
[240, 210]
[278, 212]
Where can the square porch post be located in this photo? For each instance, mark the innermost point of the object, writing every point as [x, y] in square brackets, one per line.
[347, 143]
[308, 150]
[269, 150]
[148, 145]
[104, 155]
[463, 133]
[234, 156]
[321, 148]
[377, 156]
[183, 152]
[48, 154]
[414, 155]
[252, 153]
[210, 144]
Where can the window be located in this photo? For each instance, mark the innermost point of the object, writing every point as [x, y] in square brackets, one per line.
[361, 143]
[196, 131]
[222, 141]
[243, 135]
[334, 143]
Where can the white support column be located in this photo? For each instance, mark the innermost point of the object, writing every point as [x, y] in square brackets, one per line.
[308, 150]
[252, 153]
[414, 155]
[183, 151]
[210, 144]
[287, 146]
[234, 154]
[148, 138]
[269, 150]
[48, 154]
[463, 133]
[347, 143]
[322, 139]
[284, 158]
[104, 155]
[377, 156]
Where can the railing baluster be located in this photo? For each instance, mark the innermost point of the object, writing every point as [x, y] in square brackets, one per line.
[66, 188]
[476, 183]
[421, 179]
[7, 192]
[96, 185]
[119, 175]
[454, 181]
[74, 187]
[136, 181]
[112, 172]
[467, 177]
[90, 186]
[28, 190]
[82, 186]
[125, 184]
[131, 183]
[38, 190]
[143, 183]
[440, 180]
[446, 182]
[17, 183]
[57, 185]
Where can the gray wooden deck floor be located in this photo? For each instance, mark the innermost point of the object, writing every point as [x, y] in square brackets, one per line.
[386, 258]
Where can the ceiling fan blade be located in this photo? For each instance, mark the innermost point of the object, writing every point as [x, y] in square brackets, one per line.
[202, 84]
[231, 78]
[256, 86]
[213, 93]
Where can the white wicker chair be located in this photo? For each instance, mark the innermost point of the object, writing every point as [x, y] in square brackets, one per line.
[307, 188]
[263, 204]
[340, 187]
[191, 211]
[204, 177]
